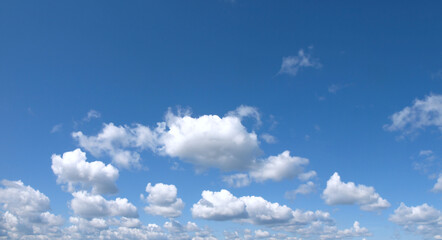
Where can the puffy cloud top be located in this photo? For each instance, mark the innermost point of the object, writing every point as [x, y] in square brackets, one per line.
[163, 200]
[338, 192]
[91, 206]
[72, 168]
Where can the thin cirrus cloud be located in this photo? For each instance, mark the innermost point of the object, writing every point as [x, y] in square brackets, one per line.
[341, 193]
[422, 113]
[291, 65]
[73, 169]
[163, 201]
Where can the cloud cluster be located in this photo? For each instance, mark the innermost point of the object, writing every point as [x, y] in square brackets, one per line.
[163, 200]
[72, 168]
[25, 211]
[422, 219]
[438, 186]
[338, 192]
[422, 113]
[208, 141]
[222, 206]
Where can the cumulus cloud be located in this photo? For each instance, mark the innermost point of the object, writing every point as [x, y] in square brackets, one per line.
[275, 168]
[338, 192]
[121, 143]
[25, 211]
[306, 188]
[292, 64]
[421, 114]
[93, 206]
[223, 205]
[163, 200]
[208, 141]
[220, 205]
[278, 167]
[422, 219]
[72, 169]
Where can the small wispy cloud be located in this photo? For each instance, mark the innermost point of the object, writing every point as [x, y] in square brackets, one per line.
[56, 128]
[91, 115]
[292, 64]
[334, 88]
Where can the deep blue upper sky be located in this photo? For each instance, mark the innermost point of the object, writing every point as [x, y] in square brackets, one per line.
[131, 61]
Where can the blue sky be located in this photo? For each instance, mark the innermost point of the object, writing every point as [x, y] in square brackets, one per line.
[238, 113]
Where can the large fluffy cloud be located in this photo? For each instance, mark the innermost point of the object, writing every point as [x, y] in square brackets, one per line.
[206, 141]
[422, 219]
[209, 141]
[422, 113]
[163, 200]
[72, 168]
[220, 205]
[25, 211]
[92, 206]
[338, 192]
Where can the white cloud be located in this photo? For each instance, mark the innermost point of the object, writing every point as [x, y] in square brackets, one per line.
[237, 180]
[438, 186]
[56, 128]
[246, 111]
[92, 206]
[25, 211]
[222, 206]
[307, 176]
[163, 200]
[306, 188]
[338, 192]
[422, 219]
[278, 167]
[72, 168]
[423, 113]
[121, 143]
[268, 138]
[91, 115]
[292, 64]
[261, 234]
[206, 141]
[209, 141]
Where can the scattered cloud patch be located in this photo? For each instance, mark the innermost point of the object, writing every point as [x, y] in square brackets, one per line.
[268, 138]
[237, 180]
[422, 219]
[303, 189]
[338, 192]
[421, 114]
[56, 128]
[291, 65]
[438, 186]
[92, 114]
